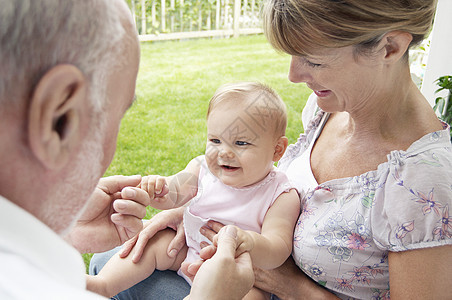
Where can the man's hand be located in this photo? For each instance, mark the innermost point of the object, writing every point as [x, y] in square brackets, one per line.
[112, 215]
[223, 276]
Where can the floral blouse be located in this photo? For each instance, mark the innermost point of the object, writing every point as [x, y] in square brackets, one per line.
[348, 225]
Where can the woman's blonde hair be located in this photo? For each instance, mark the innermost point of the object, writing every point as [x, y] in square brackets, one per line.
[258, 100]
[299, 27]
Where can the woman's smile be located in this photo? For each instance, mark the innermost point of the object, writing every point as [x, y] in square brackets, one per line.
[322, 93]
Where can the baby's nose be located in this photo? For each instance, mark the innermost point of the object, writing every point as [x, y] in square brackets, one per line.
[226, 152]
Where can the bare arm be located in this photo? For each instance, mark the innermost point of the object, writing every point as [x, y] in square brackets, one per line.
[421, 274]
[173, 191]
[273, 246]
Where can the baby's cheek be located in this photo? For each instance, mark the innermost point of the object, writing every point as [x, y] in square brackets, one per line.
[211, 154]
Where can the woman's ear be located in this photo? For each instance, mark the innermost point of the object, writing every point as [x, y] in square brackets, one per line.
[54, 117]
[280, 148]
[395, 44]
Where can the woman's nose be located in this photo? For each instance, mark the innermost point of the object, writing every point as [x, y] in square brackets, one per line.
[297, 71]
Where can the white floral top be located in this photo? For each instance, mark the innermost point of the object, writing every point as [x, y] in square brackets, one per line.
[348, 225]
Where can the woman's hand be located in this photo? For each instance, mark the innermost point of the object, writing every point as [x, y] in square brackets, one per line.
[223, 276]
[168, 218]
[210, 230]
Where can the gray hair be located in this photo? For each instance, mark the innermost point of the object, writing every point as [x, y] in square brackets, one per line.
[36, 35]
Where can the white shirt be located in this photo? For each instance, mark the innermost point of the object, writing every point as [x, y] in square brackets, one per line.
[35, 262]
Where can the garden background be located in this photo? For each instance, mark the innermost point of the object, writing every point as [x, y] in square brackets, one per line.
[166, 126]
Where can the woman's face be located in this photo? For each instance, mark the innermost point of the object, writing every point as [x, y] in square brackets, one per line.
[341, 80]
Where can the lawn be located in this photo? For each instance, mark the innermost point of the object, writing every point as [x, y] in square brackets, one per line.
[165, 128]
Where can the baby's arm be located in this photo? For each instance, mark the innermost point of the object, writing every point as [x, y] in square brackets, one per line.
[173, 191]
[272, 247]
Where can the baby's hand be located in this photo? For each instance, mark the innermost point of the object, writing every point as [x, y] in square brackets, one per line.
[155, 186]
[245, 242]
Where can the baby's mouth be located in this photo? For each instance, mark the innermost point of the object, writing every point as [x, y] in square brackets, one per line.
[228, 168]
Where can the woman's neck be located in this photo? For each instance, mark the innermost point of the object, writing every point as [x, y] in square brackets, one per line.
[400, 114]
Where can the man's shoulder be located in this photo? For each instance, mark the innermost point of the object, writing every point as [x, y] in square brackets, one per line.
[21, 278]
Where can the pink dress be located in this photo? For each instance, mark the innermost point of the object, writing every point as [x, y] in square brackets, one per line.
[244, 207]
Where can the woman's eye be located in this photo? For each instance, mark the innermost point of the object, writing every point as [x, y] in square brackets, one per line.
[241, 143]
[215, 141]
[311, 64]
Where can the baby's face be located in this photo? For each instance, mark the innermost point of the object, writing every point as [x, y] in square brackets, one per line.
[239, 151]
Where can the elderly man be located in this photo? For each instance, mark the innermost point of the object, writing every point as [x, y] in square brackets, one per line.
[68, 76]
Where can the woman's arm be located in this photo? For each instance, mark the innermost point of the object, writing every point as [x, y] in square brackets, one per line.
[421, 274]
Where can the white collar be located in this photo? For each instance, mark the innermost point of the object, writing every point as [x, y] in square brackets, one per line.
[24, 235]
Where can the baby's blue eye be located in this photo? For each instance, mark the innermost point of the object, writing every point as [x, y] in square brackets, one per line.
[241, 143]
[215, 141]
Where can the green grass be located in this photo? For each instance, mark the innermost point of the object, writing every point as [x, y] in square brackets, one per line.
[166, 128]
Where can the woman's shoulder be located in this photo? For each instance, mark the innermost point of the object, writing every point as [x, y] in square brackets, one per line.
[411, 210]
[427, 158]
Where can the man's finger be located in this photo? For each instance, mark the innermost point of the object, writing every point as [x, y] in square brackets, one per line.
[118, 182]
[131, 225]
[136, 194]
[130, 208]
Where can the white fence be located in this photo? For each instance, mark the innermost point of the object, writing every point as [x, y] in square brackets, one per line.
[182, 19]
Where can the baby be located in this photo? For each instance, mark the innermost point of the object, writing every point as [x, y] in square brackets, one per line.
[234, 183]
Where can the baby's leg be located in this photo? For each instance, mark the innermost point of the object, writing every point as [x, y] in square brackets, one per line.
[119, 274]
[257, 294]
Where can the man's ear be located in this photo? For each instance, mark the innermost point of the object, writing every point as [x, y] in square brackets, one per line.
[280, 148]
[54, 117]
[395, 44]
